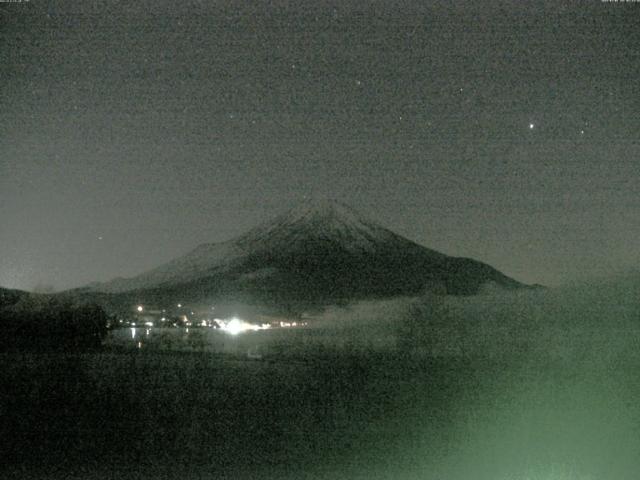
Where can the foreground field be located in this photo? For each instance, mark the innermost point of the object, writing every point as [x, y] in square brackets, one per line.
[170, 415]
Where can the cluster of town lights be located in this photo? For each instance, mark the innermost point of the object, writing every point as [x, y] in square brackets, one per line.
[232, 326]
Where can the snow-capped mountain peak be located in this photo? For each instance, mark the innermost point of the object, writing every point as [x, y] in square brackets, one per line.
[317, 220]
[320, 249]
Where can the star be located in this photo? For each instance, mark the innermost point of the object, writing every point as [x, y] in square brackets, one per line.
[531, 125]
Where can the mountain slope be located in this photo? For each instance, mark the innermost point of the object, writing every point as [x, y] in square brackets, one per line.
[316, 253]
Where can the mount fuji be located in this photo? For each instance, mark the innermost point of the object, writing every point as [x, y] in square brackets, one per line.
[319, 252]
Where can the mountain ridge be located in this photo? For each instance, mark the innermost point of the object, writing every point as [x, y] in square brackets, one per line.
[316, 252]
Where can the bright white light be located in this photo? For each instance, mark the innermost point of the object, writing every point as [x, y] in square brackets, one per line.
[140, 308]
[236, 326]
[133, 333]
[531, 125]
[179, 305]
[148, 324]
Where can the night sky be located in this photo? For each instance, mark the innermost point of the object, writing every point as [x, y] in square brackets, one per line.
[132, 131]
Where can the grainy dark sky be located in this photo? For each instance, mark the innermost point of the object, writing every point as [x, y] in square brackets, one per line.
[132, 131]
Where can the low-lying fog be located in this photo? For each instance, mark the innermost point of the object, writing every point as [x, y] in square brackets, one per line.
[559, 404]
[590, 321]
[529, 385]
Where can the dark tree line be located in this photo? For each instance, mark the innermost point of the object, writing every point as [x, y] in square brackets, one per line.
[48, 324]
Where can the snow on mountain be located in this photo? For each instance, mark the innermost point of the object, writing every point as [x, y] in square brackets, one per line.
[321, 249]
[311, 221]
[204, 260]
[326, 220]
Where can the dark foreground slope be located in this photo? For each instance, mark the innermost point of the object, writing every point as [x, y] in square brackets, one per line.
[141, 416]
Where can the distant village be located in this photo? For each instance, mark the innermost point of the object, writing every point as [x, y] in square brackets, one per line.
[186, 316]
